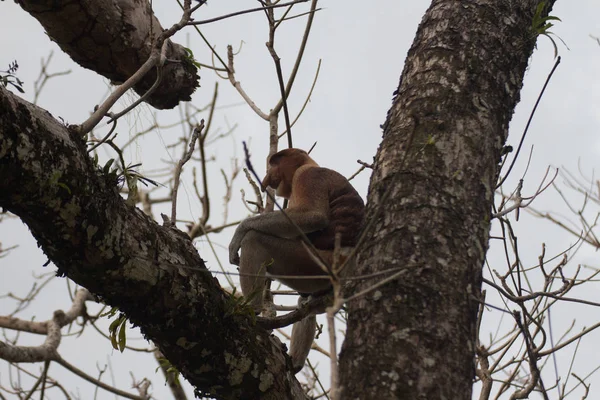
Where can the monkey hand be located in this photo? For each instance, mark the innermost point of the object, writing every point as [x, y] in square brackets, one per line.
[236, 244]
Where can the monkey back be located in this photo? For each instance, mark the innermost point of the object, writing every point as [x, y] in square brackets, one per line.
[346, 211]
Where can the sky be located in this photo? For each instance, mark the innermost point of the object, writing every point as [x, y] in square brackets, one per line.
[362, 47]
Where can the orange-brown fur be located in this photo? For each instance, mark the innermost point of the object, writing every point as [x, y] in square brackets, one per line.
[321, 203]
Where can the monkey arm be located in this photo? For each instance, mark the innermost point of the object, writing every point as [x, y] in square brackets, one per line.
[276, 224]
[309, 211]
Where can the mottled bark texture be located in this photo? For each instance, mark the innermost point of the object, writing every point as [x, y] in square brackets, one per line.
[151, 273]
[414, 337]
[114, 39]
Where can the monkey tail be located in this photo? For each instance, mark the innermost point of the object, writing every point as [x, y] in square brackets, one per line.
[303, 334]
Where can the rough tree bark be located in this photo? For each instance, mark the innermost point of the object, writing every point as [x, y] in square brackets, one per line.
[151, 273]
[410, 339]
[115, 39]
[414, 337]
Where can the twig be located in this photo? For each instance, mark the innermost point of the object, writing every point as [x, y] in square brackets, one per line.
[159, 68]
[238, 86]
[229, 188]
[284, 18]
[42, 380]
[106, 138]
[568, 342]
[101, 111]
[204, 199]
[95, 381]
[177, 174]
[338, 302]
[518, 200]
[296, 67]
[535, 376]
[529, 121]
[256, 190]
[44, 77]
[250, 10]
[316, 376]
[582, 382]
[213, 52]
[363, 165]
[376, 285]
[484, 374]
[201, 147]
[277, 61]
[308, 97]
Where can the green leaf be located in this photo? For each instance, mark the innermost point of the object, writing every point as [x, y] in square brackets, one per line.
[540, 7]
[122, 337]
[110, 313]
[114, 325]
[118, 343]
[547, 26]
[64, 186]
[189, 52]
[106, 168]
[113, 341]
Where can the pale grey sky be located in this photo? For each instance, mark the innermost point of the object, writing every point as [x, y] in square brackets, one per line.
[362, 46]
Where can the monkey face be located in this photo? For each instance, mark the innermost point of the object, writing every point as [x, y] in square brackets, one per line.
[283, 166]
[272, 179]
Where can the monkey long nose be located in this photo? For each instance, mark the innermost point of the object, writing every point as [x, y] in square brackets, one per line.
[265, 183]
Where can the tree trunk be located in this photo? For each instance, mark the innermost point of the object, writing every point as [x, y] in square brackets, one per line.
[150, 272]
[114, 39]
[431, 195]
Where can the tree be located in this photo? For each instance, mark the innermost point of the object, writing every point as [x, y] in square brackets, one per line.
[429, 209]
[441, 151]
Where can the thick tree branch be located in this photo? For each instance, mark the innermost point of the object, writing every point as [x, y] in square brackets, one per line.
[115, 41]
[152, 273]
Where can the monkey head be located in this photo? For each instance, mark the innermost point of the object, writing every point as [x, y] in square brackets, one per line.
[282, 167]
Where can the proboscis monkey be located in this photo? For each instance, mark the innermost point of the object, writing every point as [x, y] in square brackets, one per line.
[322, 203]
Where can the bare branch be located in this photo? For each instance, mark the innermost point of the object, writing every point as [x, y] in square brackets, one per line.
[238, 86]
[44, 77]
[251, 10]
[94, 381]
[42, 328]
[177, 174]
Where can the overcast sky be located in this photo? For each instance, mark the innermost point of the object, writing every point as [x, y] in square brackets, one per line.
[362, 46]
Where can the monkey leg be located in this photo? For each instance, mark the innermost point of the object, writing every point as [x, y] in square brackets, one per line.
[252, 267]
[279, 257]
[261, 253]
